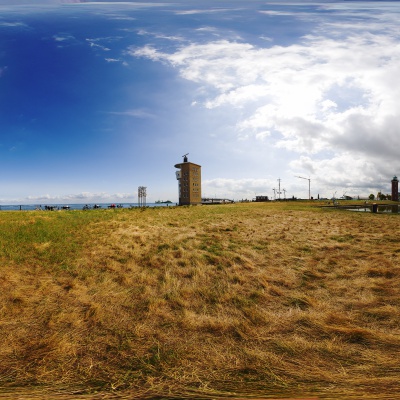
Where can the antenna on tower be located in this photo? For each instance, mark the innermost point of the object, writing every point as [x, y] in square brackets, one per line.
[185, 157]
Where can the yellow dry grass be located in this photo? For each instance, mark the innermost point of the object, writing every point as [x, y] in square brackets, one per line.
[253, 299]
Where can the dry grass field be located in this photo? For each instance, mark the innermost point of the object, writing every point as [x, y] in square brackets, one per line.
[256, 299]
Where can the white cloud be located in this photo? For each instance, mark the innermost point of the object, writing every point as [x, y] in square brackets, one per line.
[157, 35]
[334, 174]
[267, 38]
[13, 24]
[122, 18]
[321, 97]
[136, 113]
[275, 13]
[207, 29]
[113, 3]
[94, 45]
[146, 51]
[63, 37]
[79, 198]
[204, 11]
[262, 135]
[237, 189]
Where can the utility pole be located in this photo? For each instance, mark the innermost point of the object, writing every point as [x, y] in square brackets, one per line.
[274, 193]
[309, 185]
[279, 190]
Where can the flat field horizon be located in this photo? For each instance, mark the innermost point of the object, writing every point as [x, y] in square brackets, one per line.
[263, 300]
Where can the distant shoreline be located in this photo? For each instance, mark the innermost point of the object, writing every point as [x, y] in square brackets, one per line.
[75, 206]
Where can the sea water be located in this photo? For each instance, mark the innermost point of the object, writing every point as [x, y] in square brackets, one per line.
[87, 206]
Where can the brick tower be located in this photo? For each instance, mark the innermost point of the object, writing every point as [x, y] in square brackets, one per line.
[189, 178]
[395, 189]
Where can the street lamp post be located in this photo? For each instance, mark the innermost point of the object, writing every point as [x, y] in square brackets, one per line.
[309, 185]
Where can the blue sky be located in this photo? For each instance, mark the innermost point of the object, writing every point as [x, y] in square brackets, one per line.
[98, 98]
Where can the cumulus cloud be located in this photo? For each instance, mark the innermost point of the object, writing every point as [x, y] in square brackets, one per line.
[323, 95]
[333, 174]
[237, 189]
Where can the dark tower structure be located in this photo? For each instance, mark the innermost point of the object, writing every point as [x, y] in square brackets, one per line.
[395, 189]
[189, 178]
